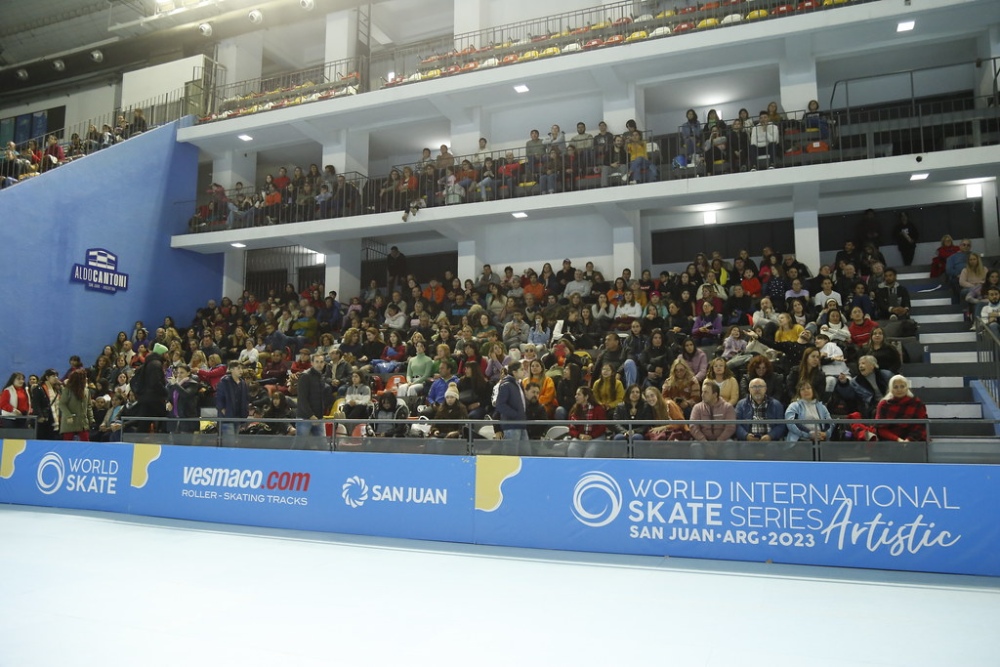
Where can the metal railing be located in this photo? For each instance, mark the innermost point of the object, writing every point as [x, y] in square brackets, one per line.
[988, 357]
[219, 209]
[547, 438]
[312, 84]
[86, 137]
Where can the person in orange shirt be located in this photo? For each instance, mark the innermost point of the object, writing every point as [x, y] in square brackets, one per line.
[434, 292]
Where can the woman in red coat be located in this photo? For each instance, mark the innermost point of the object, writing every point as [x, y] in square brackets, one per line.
[900, 403]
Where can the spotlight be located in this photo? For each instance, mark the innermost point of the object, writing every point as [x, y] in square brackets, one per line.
[307, 5]
[205, 29]
[58, 65]
[255, 16]
[97, 56]
[22, 74]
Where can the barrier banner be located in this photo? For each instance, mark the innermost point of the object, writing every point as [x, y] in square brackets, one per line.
[78, 475]
[395, 495]
[929, 518]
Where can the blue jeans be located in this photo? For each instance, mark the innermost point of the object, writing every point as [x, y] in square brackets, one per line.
[636, 168]
[308, 432]
[515, 442]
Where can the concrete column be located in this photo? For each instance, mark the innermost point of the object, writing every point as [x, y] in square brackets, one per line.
[625, 252]
[233, 272]
[797, 74]
[343, 268]
[805, 221]
[622, 102]
[989, 48]
[347, 151]
[991, 222]
[469, 16]
[465, 134]
[235, 166]
[242, 56]
[341, 35]
[469, 265]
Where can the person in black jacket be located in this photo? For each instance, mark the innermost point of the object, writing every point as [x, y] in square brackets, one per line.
[232, 398]
[46, 427]
[150, 387]
[310, 407]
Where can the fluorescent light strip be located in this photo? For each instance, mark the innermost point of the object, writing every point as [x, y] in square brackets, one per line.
[521, 88]
[919, 177]
[244, 137]
[238, 245]
[520, 214]
[905, 26]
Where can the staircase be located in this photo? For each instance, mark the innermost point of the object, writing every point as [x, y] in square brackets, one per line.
[941, 378]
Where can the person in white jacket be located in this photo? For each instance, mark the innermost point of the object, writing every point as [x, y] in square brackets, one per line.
[764, 140]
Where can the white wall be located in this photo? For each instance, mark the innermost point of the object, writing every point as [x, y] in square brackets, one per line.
[145, 84]
[82, 106]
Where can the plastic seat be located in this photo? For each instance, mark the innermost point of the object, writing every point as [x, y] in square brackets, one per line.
[637, 36]
[731, 19]
[662, 31]
[557, 433]
[757, 14]
[707, 23]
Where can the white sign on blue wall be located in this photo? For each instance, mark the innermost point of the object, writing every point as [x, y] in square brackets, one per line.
[100, 273]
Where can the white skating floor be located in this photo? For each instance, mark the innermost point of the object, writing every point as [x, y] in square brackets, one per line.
[84, 588]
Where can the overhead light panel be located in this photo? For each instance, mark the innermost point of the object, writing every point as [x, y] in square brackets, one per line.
[238, 245]
[710, 218]
[519, 215]
[905, 26]
[205, 29]
[521, 88]
[974, 191]
[244, 137]
[919, 177]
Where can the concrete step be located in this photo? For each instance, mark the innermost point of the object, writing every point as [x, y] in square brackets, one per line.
[963, 337]
[950, 318]
[953, 357]
[954, 410]
[943, 327]
[960, 427]
[937, 370]
[935, 382]
[959, 394]
[930, 300]
[921, 308]
[948, 346]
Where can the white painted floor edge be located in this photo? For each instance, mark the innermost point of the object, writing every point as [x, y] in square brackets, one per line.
[87, 588]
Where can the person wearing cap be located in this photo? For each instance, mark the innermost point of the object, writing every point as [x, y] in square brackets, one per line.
[566, 274]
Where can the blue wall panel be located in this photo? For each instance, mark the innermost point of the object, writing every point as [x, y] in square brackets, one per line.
[128, 200]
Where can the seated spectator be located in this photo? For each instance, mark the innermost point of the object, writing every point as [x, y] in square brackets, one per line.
[445, 376]
[665, 410]
[388, 417]
[617, 165]
[900, 403]
[755, 411]
[766, 314]
[615, 355]
[632, 409]
[765, 143]
[807, 417]
[738, 144]
[706, 414]
[866, 388]
[788, 330]
[681, 386]
[831, 359]
[860, 327]
[608, 389]
[942, 254]
[722, 376]
[989, 315]
[690, 135]
[583, 431]
[707, 326]
[953, 267]
[357, 398]
[892, 300]
[641, 169]
[887, 355]
[451, 409]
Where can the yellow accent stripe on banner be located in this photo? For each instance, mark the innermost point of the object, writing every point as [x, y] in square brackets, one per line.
[11, 450]
[142, 456]
[491, 473]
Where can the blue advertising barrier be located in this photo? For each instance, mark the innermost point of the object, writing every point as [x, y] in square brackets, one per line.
[393, 495]
[930, 518]
[78, 475]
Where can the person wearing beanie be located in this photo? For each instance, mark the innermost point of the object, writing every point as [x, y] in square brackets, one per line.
[159, 348]
[452, 408]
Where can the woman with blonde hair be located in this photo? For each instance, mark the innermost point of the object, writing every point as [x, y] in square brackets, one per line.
[681, 386]
[664, 410]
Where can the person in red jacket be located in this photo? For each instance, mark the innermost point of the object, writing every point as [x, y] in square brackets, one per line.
[15, 403]
[900, 403]
[586, 435]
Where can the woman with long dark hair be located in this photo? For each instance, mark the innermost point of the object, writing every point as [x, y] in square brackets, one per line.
[75, 411]
[15, 402]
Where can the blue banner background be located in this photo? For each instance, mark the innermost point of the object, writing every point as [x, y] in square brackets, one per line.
[695, 509]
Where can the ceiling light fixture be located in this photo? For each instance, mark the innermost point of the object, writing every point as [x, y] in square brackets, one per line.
[307, 5]
[22, 74]
[710, 218]
[256, 16]
[205, 29]
[905, 26]
[521, 88]
[97, 56]
[59, 65]
[244, 137]
[238, 245]
[974, 191]
[519, 215]
[919, 177]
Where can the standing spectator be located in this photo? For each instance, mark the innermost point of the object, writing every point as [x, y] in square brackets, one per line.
[511, 406]
[395, 269]
[900, 403]
[906, 237]
[150, 387]
[311, 401]
[45, 403]
[15, 402]
[232, 398]
[75, 409]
